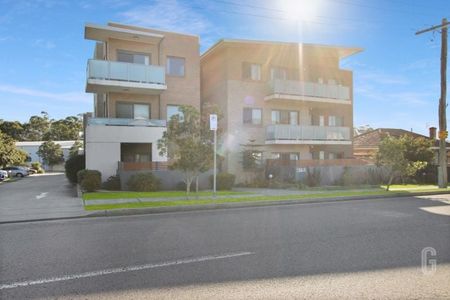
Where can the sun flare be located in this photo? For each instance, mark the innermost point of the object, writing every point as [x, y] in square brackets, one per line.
[300, 10]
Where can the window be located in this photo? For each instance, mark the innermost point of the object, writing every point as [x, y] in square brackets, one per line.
[175, 66]
[284, 117]
[251, 71]
[135, 152]
[331, 121]
[134, 58]
[252, 116]
[294, 156]
[173, 110]
[132, 110]
[321, 155]
[321, 121]
[278, 73]
[275, 155]
[335, 121]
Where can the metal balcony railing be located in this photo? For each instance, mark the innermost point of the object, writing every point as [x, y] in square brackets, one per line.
[309, 89]
[295, 132]
[127, 72]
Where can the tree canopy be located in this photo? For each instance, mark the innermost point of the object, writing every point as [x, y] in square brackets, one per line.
[51, 153]
[188, 144]
[404, 156]
[9, 154]
[42, 128]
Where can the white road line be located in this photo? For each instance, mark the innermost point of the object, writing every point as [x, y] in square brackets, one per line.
[121, 270]
[42, 195]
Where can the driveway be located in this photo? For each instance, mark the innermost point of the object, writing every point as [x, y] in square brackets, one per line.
[40, 196]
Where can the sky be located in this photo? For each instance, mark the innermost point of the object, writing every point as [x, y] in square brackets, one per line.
[396, 78]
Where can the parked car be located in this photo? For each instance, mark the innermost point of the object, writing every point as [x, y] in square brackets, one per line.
[3, 175]
[14, 171]
[31, 171]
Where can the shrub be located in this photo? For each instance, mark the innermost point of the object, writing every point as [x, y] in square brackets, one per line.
[37, 166]
[144, 182]
[112, 183]
[90, 180]
[72, 166]
[224, 181]
[312, 177]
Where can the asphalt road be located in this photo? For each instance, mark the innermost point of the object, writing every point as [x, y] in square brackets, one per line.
[355, 249]
[39, 196]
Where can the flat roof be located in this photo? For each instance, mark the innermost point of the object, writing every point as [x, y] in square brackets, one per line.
[342, 51]
[104, 32]
[63, 144]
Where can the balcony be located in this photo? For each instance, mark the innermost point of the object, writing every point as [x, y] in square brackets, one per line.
[293, 134]
[114, 76]
[308, 91]
[126, 122]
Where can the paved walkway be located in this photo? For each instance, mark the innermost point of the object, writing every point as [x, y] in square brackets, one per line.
[39, 196]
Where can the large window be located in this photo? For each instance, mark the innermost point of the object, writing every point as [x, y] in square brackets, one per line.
[335, 121]
[132, 110]
[278, 73]
[175, 66]
[252, 116]
[285, 117]
[173, 110]
[132, 57]
[135, 152]
[251, 71]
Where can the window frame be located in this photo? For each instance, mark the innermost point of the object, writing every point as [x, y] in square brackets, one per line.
[168, 66]
[280, 112]
[247, 71]
[132, 104]
[251, 114]
[149, 55]
[178, 107]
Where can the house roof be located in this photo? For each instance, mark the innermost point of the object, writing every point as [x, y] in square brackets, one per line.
[63, 144]
[341, 50]
[372, 139]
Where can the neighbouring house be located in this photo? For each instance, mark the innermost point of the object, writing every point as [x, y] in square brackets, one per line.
[366, 145]
[139, 77]
[32, 148]
[283, 103]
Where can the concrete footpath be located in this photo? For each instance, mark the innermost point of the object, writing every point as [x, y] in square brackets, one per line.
[51, 197]
[39, 197]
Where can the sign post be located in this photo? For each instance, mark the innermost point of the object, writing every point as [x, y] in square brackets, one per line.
[213, 127]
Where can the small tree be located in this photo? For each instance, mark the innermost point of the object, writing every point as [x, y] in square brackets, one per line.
[188, 143]
[9, 154]
[50, 153]
[75, 149]
[396, 154]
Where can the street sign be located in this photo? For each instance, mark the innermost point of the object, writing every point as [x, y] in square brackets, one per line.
[213, 122]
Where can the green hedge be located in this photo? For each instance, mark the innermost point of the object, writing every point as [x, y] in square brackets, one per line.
[144, 182]
[224, 181]
[112, 183]
[90, 180]
[72, 166]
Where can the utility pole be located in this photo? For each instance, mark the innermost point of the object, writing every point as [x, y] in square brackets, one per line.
[442, 169]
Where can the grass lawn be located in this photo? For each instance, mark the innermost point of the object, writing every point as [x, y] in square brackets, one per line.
[400, 190]
[162, 194]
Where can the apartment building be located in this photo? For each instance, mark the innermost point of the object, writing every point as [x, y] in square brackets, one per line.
[285, 102]
[139, 77]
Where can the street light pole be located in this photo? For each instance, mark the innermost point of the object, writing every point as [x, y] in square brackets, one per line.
[442, 169]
